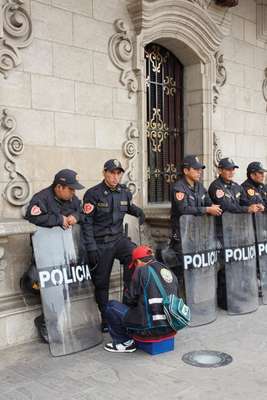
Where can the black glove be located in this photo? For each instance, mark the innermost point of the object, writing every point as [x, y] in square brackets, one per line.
[141, 217]
[92, 257]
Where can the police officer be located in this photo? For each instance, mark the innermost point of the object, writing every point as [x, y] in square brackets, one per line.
[104, 208]
[189, 196]
[227, 193]
[255, 191]
[230, 196]
[56, 205]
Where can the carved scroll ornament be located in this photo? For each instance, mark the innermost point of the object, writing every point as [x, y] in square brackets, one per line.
[17, 191]
[130, 152]
[201, 3]
[221, 77]
[121, 53]
[217, 153]
[15, 33]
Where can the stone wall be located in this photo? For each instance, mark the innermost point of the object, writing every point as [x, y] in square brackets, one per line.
[70, 107]
[71, 111]
[75, 100]
[240, 120]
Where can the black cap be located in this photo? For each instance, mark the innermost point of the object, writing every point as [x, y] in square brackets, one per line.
[68, 177]
[192, 161]
[227, 163]
[113, 164]
[255, 166]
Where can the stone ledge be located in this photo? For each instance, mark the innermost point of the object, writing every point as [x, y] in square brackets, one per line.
[159, 216]
[158, 223]
[15, 226]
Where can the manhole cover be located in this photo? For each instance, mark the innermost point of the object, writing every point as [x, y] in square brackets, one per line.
[207, 359]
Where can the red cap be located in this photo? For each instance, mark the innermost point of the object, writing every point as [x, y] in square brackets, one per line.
[139, 253]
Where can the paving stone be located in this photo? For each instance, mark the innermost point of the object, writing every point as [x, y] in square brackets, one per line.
[29, 372]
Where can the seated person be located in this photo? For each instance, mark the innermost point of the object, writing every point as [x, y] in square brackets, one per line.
[53, 206]
[143, 315]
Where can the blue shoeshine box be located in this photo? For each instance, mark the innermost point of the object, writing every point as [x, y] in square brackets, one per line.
[155, 348]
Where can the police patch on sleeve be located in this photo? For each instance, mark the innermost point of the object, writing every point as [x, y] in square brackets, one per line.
[179, 196]
[88, 208]
[35, 210]
[219, 193]
[166, 275]
[251, 192]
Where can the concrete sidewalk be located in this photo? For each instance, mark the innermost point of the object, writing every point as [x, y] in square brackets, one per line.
[29, 371]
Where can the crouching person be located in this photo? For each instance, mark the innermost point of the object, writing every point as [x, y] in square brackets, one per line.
[143, 314]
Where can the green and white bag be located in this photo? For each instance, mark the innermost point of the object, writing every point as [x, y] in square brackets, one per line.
[177, 312]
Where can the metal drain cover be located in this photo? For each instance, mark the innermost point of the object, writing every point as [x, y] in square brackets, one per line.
[207, 359]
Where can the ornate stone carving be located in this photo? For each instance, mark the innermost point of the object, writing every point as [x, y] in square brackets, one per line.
[160, 18]
[3, 262]
[121, 54]
[217, 153]
[201, 3]
[264, 87]
[130, 151]
[15, 33]
[221, 77]
[17, 191]
[198, 38]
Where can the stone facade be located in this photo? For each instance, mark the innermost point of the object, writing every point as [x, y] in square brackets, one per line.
[72, 94]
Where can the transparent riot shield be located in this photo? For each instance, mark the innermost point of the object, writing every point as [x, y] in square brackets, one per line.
[240, 263]
[200, 261]
[261, 242]
[69, 308]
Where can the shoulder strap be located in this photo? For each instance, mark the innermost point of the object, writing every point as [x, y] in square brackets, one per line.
[158, 283]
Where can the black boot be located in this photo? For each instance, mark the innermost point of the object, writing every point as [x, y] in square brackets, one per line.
[104, 326]
[41, 326]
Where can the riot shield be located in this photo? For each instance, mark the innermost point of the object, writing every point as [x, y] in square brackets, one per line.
[261, 242]
[200, 261]
[240, 263]
[70, 311]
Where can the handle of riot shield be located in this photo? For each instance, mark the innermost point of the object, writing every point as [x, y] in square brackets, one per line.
[125, 234]
[140, 235]
[126, 229]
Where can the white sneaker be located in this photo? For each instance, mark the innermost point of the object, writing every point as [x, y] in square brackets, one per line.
[127, 347]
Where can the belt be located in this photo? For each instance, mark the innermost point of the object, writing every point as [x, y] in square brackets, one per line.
[108, 238]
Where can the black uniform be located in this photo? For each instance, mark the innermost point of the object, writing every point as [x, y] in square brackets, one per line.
[104, 210]
[46, 210]
[187, 200]
[254, 193]
[229, 195]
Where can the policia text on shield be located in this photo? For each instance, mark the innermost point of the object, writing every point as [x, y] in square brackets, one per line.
[190, 197]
